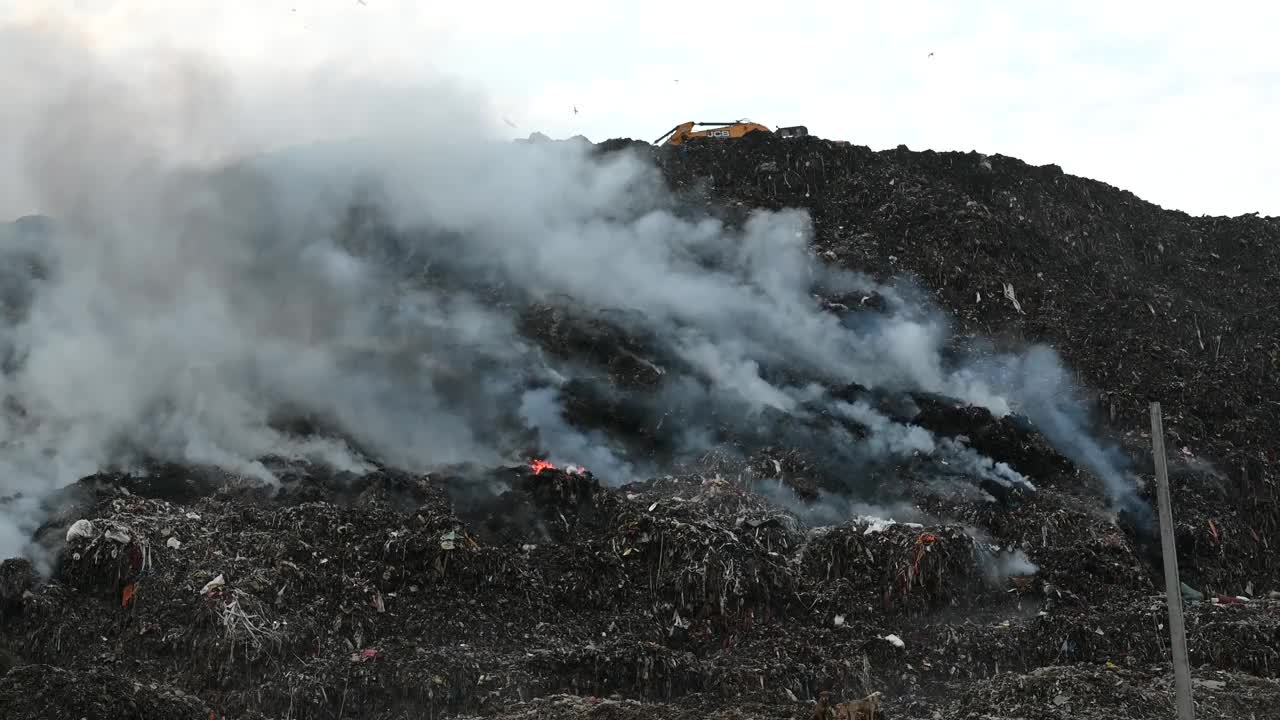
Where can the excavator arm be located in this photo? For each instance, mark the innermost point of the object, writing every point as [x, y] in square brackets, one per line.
[677, 133]
[685, 131]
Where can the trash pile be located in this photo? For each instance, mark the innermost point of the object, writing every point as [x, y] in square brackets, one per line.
[740, 585]
[1076, 692]
[1146, 304]
[396, 598]
[48, 692]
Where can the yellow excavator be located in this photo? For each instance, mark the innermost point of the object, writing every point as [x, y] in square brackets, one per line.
[685, 131]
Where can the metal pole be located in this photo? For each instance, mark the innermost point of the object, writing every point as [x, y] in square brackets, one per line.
[1172, 585]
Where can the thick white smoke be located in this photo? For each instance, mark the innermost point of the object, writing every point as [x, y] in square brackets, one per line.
[542, 411]
[184, 301]
[888, 437]
[184, 307]
[1000, 564]
[1045, 393]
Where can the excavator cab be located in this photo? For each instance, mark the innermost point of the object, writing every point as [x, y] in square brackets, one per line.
[794, 131]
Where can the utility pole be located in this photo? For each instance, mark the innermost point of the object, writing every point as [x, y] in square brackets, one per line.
[1172, 585]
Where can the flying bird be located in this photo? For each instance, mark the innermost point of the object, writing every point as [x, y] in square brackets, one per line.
[575, 109]
[930, 54]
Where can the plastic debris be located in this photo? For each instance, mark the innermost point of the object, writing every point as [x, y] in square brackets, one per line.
[1209, 684]
[1191, 594]
[80, 529]
[1012, 297]
[214, 584]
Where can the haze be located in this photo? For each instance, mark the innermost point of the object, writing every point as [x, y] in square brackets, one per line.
[1173, 100]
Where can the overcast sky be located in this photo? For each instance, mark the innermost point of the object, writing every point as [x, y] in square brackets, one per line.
[1177, 101]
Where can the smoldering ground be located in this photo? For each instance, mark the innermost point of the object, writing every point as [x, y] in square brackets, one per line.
[193, 297]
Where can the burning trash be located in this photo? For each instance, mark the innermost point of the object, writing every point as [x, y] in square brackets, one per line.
[538, 466]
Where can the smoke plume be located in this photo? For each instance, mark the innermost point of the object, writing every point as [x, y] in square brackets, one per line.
[192, 300]
[1000, 564]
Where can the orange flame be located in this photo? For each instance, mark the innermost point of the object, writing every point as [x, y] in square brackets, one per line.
[539, 465]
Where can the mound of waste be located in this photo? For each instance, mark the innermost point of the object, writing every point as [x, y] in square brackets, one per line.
[400, 596]
[671, 458]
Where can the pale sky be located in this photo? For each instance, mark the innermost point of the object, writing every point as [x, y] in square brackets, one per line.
[1176, 101]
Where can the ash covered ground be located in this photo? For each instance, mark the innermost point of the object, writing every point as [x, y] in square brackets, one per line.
[562, 430]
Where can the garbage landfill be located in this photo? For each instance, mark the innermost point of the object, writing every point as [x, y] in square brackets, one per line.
[991, 575]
